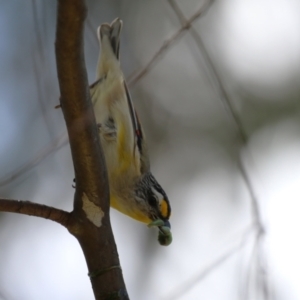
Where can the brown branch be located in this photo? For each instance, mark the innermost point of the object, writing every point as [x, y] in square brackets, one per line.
[37, 210]
[91, 201]
[137, 75]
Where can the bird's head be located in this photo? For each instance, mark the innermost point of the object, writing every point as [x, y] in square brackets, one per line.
[157, 206]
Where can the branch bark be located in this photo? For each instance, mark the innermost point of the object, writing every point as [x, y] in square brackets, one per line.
[38, 210]
[91, 201]
[89, 221]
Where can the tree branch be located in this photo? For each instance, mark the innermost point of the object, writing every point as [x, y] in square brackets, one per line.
[37, 210]
[91, 201]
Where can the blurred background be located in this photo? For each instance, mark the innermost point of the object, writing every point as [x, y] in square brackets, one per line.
[220, 103]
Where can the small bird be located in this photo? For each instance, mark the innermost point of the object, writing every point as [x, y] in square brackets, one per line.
[134, 191]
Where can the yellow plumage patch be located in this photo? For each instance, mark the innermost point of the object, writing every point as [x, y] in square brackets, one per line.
[164, 208]
[125, 156]
[128, 210]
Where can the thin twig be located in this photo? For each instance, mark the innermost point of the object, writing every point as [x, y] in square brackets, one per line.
[34, 209]
[256, 259]
[254, 201]
[136, 76]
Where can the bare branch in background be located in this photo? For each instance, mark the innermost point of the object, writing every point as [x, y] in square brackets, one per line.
[256, 262]
[237, 122]
[137, 75]
[213, 71]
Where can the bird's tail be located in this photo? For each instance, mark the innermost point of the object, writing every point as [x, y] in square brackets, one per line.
[112, 32]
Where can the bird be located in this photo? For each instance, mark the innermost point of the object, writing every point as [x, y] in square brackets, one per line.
[134, 191]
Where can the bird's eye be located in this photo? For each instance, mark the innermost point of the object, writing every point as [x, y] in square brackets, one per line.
[152, 199]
